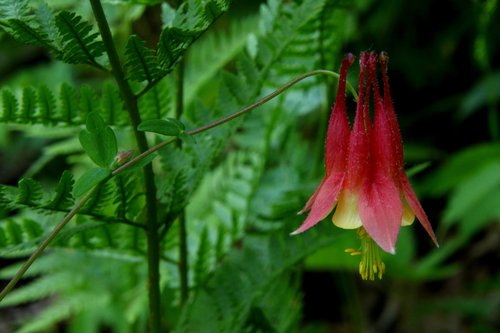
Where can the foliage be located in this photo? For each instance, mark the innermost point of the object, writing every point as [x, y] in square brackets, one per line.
[237, 186]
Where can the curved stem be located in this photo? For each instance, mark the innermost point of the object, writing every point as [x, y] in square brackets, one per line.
[44, 244]
[266, 99]
[126, 166]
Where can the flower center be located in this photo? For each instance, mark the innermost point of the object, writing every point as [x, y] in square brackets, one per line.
[371, 263]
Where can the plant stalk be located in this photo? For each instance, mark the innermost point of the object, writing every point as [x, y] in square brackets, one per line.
[131, 163]
[130, 101]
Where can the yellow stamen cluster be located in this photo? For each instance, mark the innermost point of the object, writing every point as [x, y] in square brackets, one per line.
[371, 264]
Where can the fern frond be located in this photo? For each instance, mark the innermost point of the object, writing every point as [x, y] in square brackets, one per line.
[46, 104]
[28, 105]
[78, 43]
[129, 199]
[112, 106]
[202, 261]
[63, 199]
[30, 192]
[14, 9]
[158, 102]
[190, 21]
[243, 278]
[26, 33]
[9, 106]
[141, 63]
[36, 28]
[69, 104]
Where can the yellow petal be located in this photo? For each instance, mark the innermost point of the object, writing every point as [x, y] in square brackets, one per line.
[408, 216]
[346, 215]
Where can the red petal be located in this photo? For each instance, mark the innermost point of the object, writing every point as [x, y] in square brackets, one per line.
[312, 198]
[381, 211]
[337, 137]
[389, 108]
[325, 200]
[359, 150]
[415, 205]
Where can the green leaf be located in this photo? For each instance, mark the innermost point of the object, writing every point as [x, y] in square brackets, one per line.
[69, 103]
[99, 141]
[90, 179]
[141, 63]
[79, 44]
[46, 104]
[9, 106]
[63, 199]
[30, 192]
[28, 106]
[168, 127]
[191, 19]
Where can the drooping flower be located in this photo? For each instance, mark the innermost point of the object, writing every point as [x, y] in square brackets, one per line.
[365, 180]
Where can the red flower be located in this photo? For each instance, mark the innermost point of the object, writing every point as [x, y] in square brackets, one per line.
[365, 180]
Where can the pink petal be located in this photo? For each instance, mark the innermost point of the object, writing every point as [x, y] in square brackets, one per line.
[337, 137]
[381, 211]
[415, 205]
[389, 109]
[311, 200]
[324, 202]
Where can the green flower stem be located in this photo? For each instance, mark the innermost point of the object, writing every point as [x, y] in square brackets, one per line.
[128, 165]
[130, 101]
[268, 98]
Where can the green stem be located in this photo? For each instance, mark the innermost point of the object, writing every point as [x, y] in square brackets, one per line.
[268, 98]
[130, 101]
[128, 165]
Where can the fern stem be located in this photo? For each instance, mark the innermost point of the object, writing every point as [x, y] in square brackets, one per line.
[34, 256]
[153, 244]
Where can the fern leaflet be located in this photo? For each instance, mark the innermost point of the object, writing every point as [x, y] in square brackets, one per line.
[79, 44]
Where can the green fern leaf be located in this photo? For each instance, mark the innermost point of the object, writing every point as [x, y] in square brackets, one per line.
[13, 232]
[89, 101]
[9, 106]
[97, 203]
[30, 192]
[25, 33]
[63, 199]
[32, 229]
[141, 64]
[190, 21]
[79, 44]
[202, 262]
[3, 239]
[69, 104]
[158, 102]
[14, 9]
[127, 198]
[28, 106]
[112, 105]
[46, 104]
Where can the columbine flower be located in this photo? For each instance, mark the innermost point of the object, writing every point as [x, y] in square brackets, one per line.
[365, 181]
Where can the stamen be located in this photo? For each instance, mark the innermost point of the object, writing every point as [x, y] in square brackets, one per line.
[371, 264]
